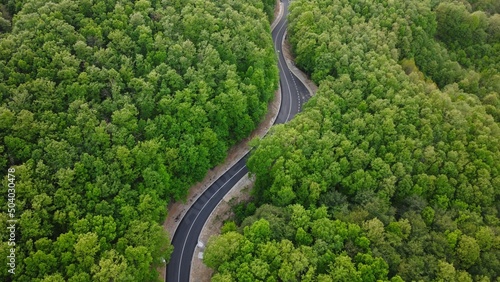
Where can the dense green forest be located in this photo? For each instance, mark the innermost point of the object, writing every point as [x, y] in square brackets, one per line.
[392, 171]
[109, 110]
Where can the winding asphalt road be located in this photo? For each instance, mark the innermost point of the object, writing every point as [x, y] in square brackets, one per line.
[293, 96]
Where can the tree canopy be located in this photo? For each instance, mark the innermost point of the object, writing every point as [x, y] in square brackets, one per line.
[391, 172]
[109, 110]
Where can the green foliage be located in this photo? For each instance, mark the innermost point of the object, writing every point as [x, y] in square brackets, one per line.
[467, 52]
[228, 227]
[222, 249]
[111, 109]
[316, 248]
[407, 169]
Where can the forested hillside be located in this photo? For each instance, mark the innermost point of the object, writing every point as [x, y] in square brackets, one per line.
[111, 109]
[467, 49]
[392, 171]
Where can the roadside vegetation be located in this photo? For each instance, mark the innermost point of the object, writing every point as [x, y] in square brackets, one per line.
[109, 110]
[392, 171]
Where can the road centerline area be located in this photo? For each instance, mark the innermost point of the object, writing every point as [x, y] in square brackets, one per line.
[202, 208]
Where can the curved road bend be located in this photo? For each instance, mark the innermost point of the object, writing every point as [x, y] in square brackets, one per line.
[293, 96]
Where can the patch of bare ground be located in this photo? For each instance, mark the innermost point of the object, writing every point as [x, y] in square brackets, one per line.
[277, 9]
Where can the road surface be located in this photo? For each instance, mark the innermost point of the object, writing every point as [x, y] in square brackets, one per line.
[293, 96]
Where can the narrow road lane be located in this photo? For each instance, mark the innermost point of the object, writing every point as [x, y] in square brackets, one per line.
[185, 239]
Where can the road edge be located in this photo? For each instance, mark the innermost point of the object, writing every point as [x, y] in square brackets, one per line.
[297, 72]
